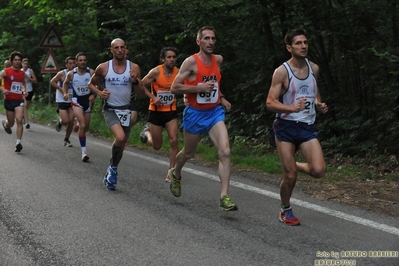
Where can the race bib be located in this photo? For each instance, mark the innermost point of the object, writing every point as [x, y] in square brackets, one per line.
[208, 97]
[81, 91]
[123, 116]
[70, 92]
[309, 107]
[16, 87]
[167, 98]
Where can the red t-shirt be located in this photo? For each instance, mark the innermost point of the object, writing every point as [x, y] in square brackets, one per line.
[13, 83]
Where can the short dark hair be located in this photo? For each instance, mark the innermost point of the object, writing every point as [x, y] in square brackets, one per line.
[79, 54]
[202, 29]
[14, 54]
[293, 33]
[69, 58]
[164, 50]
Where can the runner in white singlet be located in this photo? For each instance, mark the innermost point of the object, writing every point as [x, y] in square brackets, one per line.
[294, 97]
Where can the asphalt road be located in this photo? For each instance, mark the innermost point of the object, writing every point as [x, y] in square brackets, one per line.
[55, 210]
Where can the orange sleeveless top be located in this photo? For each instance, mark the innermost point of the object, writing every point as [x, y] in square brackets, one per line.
[205, 73]
[161, 89]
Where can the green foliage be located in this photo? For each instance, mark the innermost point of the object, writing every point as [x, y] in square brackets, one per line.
[354, 43]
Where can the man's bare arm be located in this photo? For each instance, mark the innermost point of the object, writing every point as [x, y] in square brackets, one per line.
[65, 85]
[57, 78]
[272, 102]
[94, 84]
[150, 77]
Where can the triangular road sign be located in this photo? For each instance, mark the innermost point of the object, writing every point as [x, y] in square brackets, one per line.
[51, 39]
[50, 65]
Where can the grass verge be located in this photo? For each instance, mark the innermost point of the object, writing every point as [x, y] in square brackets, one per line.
[244, 155]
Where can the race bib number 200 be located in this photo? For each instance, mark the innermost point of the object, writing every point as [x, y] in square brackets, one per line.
[166, 97]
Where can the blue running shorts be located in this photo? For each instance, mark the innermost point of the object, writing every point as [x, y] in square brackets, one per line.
[292, 131]
[197, 121]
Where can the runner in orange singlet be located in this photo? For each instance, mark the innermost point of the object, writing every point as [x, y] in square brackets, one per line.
[199, 79]
[163, 111]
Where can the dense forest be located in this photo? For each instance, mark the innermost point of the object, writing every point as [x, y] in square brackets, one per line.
[354, 43]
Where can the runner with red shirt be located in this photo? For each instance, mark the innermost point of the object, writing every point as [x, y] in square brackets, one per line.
[14, 91]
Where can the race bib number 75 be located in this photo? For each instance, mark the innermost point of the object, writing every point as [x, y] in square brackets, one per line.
[123, 116]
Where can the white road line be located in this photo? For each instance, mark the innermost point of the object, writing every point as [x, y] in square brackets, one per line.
[304, 204]
[301, 203]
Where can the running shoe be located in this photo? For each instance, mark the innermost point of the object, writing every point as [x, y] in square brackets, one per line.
[85, 157]
[111, 178]
[287, 216]
[174, 185]
[112, 175]
[58, 126]
[108, 185]
[67, 143]
[167, 177]
[7, 129]
[18, 148]
[227, 205]
[27, 126]
[76, 126]
[143, 134]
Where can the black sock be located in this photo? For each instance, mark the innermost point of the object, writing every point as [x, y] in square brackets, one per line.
[116, 155]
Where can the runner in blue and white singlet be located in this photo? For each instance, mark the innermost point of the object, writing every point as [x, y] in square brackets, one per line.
[119, 86]
[294, 97]
[82, 98]
[118, 77]
[59, 95]
[64, 105]
[300, 89]
[80, 92]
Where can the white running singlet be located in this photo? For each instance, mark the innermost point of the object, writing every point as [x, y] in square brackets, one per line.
[119, 85]
[59, 96]
[28, 83]
[298, 89]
